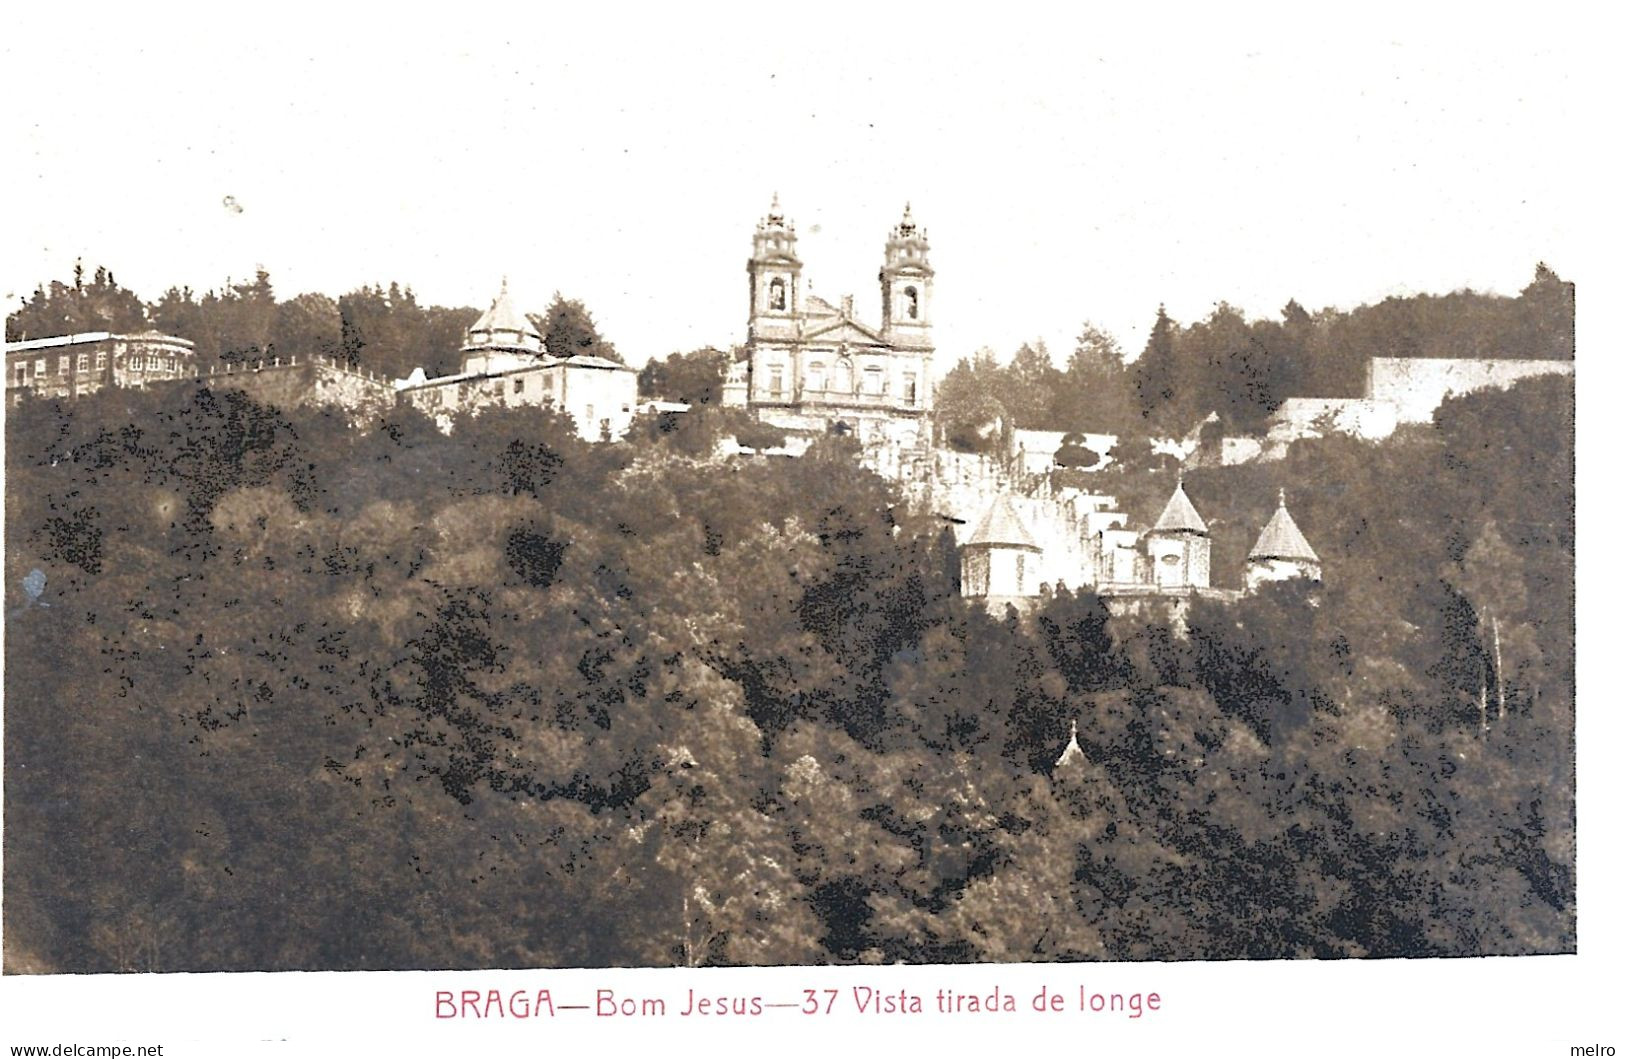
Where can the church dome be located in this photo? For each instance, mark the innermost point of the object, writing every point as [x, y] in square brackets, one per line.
[503, 325]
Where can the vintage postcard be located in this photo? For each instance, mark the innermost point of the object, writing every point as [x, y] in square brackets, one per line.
[656, 523]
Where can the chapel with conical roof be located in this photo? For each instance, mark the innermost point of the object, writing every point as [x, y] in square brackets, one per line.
[1281, 552]
[1178, 550]
[999, 560]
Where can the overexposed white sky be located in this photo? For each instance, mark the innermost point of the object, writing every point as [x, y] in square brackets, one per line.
[1068, 166]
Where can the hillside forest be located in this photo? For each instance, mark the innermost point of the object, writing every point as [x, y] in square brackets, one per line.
[281, 694]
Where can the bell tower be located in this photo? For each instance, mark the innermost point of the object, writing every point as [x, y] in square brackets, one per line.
[905, 286]
[775, 276]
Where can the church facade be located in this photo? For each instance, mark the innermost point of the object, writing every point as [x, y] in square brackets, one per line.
[815, 367]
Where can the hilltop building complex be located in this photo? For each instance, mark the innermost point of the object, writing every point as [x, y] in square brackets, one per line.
[506, 365]
[817, 368]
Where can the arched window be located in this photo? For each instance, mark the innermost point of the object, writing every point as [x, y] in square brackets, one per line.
[775, 294]
[911, 302]
[843, 376]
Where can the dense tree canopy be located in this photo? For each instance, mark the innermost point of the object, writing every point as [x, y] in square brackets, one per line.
[285, 695]
[568, 331]
[1243, 369]
[695, 377]
[72, 308]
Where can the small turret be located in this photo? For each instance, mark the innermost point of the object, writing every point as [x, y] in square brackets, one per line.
[999, 559]
[502, 337]
[1178, 547]
[1282, 552]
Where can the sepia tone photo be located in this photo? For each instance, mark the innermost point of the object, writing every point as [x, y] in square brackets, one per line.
[614, 556]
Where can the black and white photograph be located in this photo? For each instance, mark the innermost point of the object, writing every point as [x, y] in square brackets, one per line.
[585, 525]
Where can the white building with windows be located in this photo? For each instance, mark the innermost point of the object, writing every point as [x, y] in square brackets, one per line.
[506, 365]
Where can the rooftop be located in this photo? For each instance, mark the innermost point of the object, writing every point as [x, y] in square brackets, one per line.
[1001, 526]
[94, 336]
[1179, 516]
[1282, 539]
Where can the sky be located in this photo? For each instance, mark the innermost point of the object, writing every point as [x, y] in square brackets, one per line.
[1068, 168]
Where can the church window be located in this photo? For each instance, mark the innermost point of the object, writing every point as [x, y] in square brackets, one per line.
[873, 381]
[519, 386]
[911, 302]
[911, 389]
[815, 375]
[776, 380]
[775, 294]
[843, 376]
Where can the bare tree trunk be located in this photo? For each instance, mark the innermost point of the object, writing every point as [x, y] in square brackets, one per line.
[688, 933]
[1500, 686]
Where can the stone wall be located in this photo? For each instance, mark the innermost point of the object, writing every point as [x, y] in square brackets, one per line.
[299, 382]
[1417, 386]
[1366, 418]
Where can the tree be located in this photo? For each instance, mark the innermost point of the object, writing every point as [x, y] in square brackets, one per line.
[569, 331]
[382, 330]
[308, 325]
[178, 313]
[1095, 395]
[1027, 387]
[1162, 390]
[972, 418]
[695, 377]
[1546, 310]
[61, 309]
[1075, 452]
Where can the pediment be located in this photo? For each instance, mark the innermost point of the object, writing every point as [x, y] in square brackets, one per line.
[844, 331]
